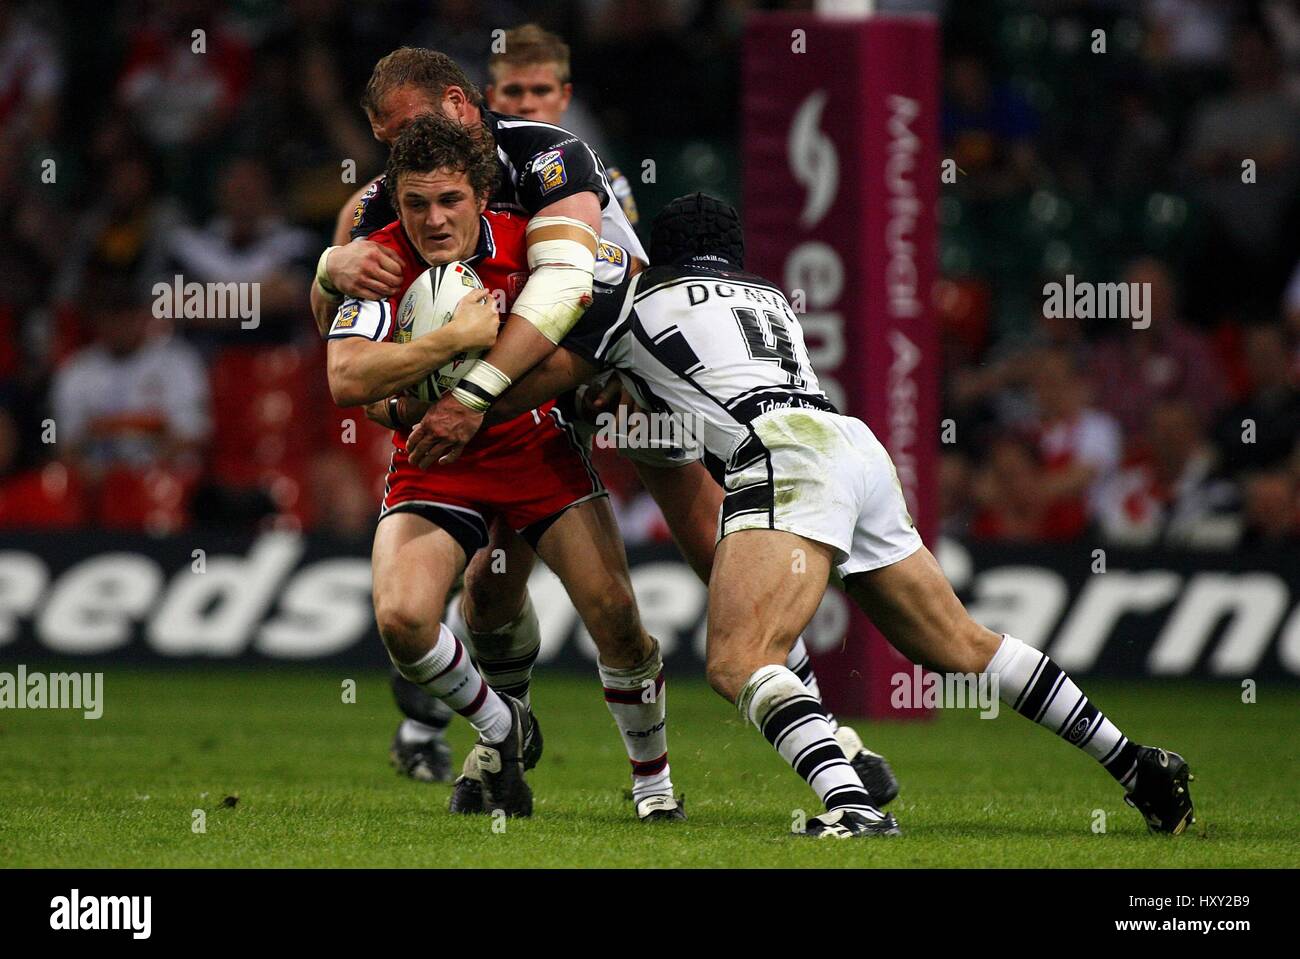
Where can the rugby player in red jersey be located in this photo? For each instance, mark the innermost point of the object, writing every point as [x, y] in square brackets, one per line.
[528, 471]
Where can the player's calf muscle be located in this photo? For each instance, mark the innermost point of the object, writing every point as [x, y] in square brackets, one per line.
[584, 550]
[496, 580]
[765, 587]
[913, 604]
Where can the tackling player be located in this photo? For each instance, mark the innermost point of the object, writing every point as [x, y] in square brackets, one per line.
[698, 337]
[529, 471]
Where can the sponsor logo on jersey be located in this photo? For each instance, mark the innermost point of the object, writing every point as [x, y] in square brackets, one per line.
[550, 170]
[515, 284]
[347, 317]
[610, 253]
[366, 197]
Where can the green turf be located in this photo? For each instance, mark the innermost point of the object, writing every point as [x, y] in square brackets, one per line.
[314, 787]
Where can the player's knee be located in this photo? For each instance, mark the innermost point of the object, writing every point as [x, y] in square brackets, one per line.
[407, 628]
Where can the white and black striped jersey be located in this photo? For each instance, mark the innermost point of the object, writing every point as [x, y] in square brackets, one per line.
[708, 343]
[540, 163]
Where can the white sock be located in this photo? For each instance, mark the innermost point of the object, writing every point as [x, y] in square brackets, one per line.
[636, 700]
[414, 731]
[447, 673]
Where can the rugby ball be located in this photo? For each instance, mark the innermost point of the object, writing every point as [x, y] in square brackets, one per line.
[427, 306]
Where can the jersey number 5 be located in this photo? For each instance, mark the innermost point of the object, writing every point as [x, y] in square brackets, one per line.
[766, 338]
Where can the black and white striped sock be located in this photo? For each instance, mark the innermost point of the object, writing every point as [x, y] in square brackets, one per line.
[506, 655]
[1034, 686]
[791, 719]
[799, 664]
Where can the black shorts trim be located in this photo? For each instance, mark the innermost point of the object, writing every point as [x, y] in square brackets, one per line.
[534, 532]
[464, 526]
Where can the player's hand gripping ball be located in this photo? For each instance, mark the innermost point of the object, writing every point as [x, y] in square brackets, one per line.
[429, 305]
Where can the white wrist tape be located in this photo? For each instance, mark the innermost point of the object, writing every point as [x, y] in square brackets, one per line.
[480, 386]
[323, 275]
[558, 290]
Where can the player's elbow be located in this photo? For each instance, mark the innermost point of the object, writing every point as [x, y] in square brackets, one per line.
[562, 258]
[346, 386]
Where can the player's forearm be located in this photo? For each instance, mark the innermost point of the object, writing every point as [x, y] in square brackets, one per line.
[519, 348]
[362, 372]
[322, 308]
[556, 375]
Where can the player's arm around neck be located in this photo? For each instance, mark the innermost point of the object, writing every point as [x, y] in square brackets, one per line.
[361, 269]
[362, 371]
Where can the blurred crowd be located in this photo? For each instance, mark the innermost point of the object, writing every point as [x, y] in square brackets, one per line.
[149, 140]
[1171, 161]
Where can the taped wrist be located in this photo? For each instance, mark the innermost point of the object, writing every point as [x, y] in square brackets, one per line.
[323, 275]
[480, 386]
[562, 260]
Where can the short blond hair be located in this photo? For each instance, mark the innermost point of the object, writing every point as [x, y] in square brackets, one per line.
[530, 45]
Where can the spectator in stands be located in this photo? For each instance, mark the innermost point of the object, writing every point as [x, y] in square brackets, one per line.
[31, 78]
[247, 242]
[1079, 446]
[180, 94]
[1166, 360]
[1175, 493]
[123, 234]
[989, 130]
[1272, 512]
[307, 125]
[1188, 33]
[999, 386]
[32, 240]
[1261, 432]
[1009, 494]
[1255, 123]
[130, 399]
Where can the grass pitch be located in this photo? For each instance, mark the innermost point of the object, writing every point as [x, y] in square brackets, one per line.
[286, 774]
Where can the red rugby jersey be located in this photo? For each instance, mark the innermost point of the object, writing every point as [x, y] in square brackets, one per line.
[501, 261]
